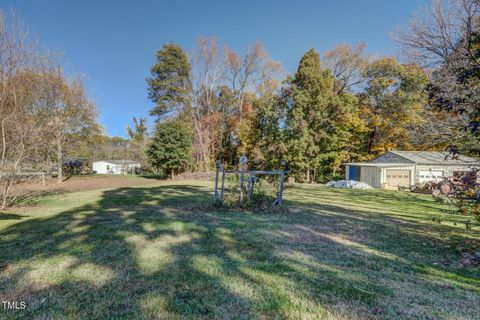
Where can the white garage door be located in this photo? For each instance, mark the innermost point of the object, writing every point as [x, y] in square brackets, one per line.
[430, 175]
[398, 177]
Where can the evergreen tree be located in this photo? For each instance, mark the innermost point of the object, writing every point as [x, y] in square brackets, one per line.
[169, 81]
[319, 121]
[169, 150]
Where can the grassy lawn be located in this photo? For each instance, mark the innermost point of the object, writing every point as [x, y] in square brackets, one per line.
[161, 251]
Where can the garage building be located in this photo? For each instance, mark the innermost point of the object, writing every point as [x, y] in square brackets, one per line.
[405, 168]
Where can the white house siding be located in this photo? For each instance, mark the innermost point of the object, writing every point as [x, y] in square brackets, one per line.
[117, 169]
[100, 167]
[105, 167]
[371, 176]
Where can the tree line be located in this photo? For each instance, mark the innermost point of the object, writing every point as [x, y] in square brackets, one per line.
[343, 106]
[217, 104]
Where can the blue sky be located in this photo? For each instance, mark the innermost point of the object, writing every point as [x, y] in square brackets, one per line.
[113, 43]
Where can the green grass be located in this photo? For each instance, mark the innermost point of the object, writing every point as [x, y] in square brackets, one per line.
[163, 252]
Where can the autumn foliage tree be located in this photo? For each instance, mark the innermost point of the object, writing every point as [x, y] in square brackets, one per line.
[41, 111]
[71, 114]
[138, 140]
[392, 104]
[209, 89]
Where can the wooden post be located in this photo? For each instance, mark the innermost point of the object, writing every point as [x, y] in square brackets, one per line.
[223, 182]
[280, 192]
[285, 169]
[59, 162]
[215, 194]
[251, 183]
[218, 195]
[43, 179]
[243, 164]
[242, 179]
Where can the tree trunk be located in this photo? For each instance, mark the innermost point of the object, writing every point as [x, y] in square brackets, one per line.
[6, 189]
[371, 140]
[199, 131]
[59, 162]
[308, 175]
[172, 174]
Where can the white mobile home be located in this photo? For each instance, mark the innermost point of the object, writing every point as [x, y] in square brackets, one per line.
[406, 168]
[116, 167]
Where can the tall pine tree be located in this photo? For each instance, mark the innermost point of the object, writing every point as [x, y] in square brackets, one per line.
[319, 123]
[168, 84]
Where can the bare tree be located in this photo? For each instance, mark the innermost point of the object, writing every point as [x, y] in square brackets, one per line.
[204, 79]
[347, 64]
[439, 31]
[445, 39]
[21, 116]
[207, 89]
[268, 76]
[138, 140]
[256, 71]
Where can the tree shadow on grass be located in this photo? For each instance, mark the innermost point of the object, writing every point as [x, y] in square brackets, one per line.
[10, 216]
[399, 235]
[155, 252]
[383, 197]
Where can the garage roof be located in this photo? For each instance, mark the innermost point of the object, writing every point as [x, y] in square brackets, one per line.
[434, 157]
[408, 158]
[379, 164]
[119, 161]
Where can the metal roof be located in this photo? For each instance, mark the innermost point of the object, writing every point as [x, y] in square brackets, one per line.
[434, 157]
[421, 157]
[119, 161]
[379, 164]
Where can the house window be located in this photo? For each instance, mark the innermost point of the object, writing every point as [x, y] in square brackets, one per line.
[108, 167]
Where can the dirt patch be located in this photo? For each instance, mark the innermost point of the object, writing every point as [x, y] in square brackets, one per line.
[206, 176]
[83, 183]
